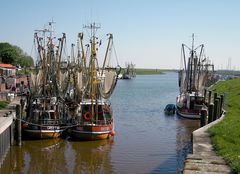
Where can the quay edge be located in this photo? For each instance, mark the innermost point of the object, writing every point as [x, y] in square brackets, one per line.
[7, 116]
[204, 159]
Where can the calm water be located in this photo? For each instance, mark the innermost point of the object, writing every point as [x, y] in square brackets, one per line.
[146, 141]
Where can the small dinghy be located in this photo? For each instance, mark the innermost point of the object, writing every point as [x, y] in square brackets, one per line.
[170, 109]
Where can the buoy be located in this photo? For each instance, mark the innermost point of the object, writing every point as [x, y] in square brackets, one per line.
[112, 133]
[87, 116]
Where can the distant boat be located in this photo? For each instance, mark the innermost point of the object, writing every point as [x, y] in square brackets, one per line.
[193, 79]
[94, 120]
[129, 72]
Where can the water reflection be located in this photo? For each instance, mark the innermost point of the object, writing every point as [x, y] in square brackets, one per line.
[39, 156]
[91, 157]
[185, 127]
[59, 156]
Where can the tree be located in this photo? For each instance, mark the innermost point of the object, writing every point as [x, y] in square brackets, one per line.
[14, 55]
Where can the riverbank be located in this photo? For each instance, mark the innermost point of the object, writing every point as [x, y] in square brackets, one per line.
[143, 71]
[226, 135]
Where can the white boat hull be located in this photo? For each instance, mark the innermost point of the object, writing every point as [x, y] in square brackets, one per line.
[188, 115]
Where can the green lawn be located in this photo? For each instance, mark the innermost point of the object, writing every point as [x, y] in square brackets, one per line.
[140, 71]
[226, 134]
[3, 104]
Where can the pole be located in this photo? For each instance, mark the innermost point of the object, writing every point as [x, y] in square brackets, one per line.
[203, 117]
[19, 131]
[221, 103]
[209, 97]
[215, 109]
[210, 112]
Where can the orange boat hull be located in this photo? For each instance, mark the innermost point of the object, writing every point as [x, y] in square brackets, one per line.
[96, 132]
[41, 133]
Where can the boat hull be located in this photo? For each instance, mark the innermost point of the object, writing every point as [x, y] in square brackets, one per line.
[94, 132]
[46, 132]
[42, 134]
[190, 114]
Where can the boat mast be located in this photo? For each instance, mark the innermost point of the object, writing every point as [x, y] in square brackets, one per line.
[93, 74]
[191, 64]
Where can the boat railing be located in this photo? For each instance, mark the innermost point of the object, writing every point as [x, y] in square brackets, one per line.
[97, 122]
[49, 121]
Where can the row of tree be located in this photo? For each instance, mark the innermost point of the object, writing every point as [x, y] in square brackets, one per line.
[14, 55]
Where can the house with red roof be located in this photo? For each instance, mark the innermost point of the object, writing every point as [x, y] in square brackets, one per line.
[7, 76]
[7, 70]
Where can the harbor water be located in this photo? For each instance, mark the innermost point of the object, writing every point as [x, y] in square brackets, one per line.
[146, 140]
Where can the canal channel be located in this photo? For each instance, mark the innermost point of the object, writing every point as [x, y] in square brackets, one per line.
[146, 141]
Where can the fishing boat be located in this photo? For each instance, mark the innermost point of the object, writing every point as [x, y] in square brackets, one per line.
[93, 118]
[129, 72]
[45, 105]
[193, 79]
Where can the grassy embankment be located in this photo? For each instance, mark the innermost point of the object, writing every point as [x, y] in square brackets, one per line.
[226, 134]
[3, 104]
[140, 71]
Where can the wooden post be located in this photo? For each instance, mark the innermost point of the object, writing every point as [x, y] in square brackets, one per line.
[221, 103]
[210, 113]
[215, 109]
[205, 95]
[215, 96]
[19, 126]
[219, 107]
[12, 134]
[203, 117]
[209, 97]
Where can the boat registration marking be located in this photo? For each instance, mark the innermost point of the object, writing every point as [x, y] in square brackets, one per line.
[104, 128]
[52, 127]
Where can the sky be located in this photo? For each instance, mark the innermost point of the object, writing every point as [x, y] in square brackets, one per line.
[148, 33]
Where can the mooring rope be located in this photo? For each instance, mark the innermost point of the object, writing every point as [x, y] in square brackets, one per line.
[40, 125]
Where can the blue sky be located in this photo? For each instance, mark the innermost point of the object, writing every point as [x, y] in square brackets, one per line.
[148, 33]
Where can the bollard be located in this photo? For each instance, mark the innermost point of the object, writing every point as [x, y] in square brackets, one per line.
[210, 113]
[215, 109]
[209, 97]
[203, 117]
[19, 128]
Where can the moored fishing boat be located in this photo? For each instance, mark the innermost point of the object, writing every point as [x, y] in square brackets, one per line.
[45, 106]
[193, 79]
[94, 118]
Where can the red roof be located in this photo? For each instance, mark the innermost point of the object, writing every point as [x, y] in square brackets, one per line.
[3, 65]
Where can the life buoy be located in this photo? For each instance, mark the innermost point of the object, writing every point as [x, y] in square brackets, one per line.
[87, 116]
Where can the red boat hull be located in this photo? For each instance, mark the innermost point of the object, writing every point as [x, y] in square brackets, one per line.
[92, 132]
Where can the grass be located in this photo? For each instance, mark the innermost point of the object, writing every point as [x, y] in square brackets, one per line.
[140, 71]
[3, 104]
[226, 134]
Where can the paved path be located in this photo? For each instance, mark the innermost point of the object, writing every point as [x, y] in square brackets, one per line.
[204, 159]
